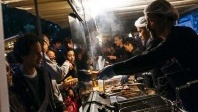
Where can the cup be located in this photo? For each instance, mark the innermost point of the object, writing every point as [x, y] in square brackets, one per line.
[93, 78]
[101, 63]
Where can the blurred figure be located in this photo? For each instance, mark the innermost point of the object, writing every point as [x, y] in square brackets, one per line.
[107, 49]
[120, 53]
[149, 38]
[131, 47]
[9, 73]
[82, 59]
[72, 101]
[68, 43]
[70, 57]
[30, 82]
[11, 60]
[56, 46]
[82, 62]
[144, 34]
[71, 84]
[154, 78]
[15, 104]
[55, 72]
[72, 78]
[65, 36]
[51, 55]
[179, 45]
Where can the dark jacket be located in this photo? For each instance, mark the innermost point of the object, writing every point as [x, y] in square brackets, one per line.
[181, 44]
[159, 80]
[15, 104]
[120, 53]
[34, 100]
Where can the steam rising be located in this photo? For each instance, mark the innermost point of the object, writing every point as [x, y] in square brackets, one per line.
[109, 24]
[100, 22]
[77, 31]
[104, 21]
[102, 12]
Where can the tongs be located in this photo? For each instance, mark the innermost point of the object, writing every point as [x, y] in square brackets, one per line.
[134, 84]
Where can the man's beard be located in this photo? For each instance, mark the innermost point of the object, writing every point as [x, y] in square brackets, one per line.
[152, 32]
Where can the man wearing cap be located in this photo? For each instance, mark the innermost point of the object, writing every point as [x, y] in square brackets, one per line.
[179, 45]
[149, 41]
[144, 34]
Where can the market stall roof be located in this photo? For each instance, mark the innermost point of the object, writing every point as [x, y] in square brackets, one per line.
[57, 10]
[52, 10]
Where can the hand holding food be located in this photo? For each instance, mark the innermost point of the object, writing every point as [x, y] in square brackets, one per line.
[70, 81]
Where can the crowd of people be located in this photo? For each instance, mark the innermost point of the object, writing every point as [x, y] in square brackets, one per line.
[44, 75]
[38, 83]
[48, 70]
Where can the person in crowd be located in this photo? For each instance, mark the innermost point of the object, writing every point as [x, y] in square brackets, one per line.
[58, 95]
[70, 57]
[107, 49]
[82, 62]
[131, 47]
[30, 82]
[144, 34]
[145, 37]
[148, 38]
[179, 45]
[82, 59]
[9, 74]
[11, 60]
[72, 101]
[64, 36]
[55, 72]
[51, 55]
[154, 78]
[56, 46]
[71, 82]
[68, 43]
[120, 53]
[15, 104]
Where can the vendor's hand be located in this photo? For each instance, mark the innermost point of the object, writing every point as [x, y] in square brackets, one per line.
[106, 73]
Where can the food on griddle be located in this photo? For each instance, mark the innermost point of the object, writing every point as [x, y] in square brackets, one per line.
[125, 87]
[117, 88]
